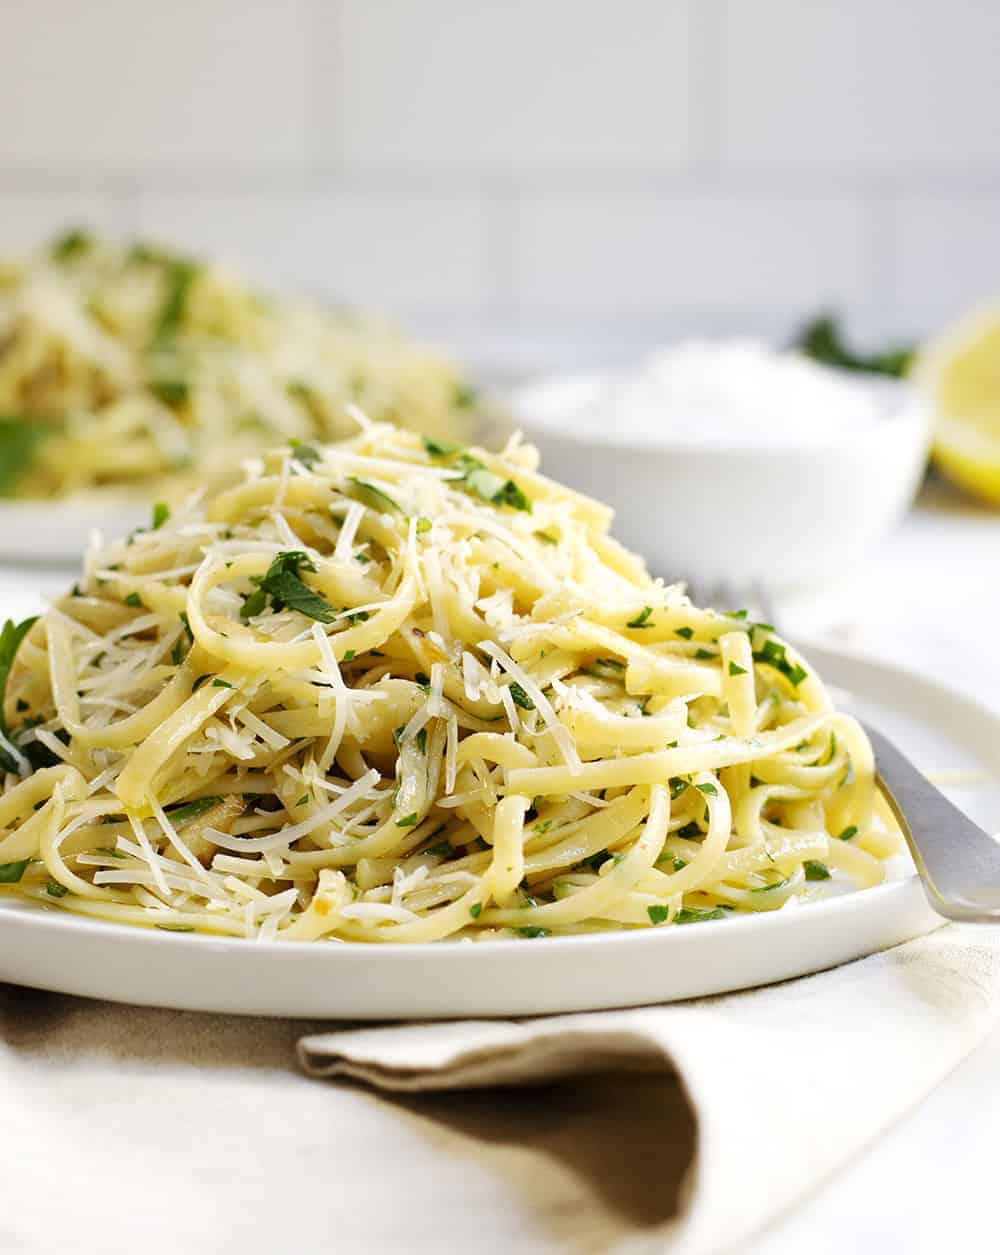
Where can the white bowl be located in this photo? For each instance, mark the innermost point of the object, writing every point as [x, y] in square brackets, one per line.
[792, 516]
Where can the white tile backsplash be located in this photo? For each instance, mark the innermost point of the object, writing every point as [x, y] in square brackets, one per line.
[28, 220]
[396, 253]
[874, 85]
[514, 85]
[646, 256]
[138, 85]
[949, 259]
[568, 176]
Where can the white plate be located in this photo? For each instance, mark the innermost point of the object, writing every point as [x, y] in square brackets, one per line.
[56, 531]
[48, 949]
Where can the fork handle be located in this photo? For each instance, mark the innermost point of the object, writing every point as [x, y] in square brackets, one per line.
[959, 863]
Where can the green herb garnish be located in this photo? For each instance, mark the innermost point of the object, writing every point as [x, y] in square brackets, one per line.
[685, 632]
[72, 244]
[691, 915]
[285, 587]
[11, 873]
[181, 815]
[850, 831]
[423, 525]
[658, 914]
[175, 928]
[532, 932]
[476, 911]
[815, 870]
[54, 889]
[710, 789]
[19, 438]
[180, 276]
[519, 696]
[441, 448]
[641, 620]
[736, 669]
[376, 495]
[305, 453]
[172, 392]
[11, 637]
[408, 821]
[823, 341]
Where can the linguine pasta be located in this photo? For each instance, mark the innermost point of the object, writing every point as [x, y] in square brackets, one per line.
[131, 365]
[396, 690]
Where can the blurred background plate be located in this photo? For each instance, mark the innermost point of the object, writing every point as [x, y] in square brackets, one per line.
[55, 532]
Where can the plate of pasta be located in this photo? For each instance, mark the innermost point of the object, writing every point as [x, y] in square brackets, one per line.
[394, 728]
[133, 370]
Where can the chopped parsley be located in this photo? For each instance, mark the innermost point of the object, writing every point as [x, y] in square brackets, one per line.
[285, 588]
[11, 637]
[11, 873]
[441, 448]
[72, 244]
[702, 654]
[219, 683]
[773, 653]
[850, 831]
[685, 632]
[305, 453]
[476, 911]
[710, 789]
[161, 512]
[19, 438]
[181, 815]
[349, 655]
[692, 915]
[532, 932]
[180, 277]
[408, 821]
[302, 800]
[54, 889]
[736, 669]
[443, 849]
[133, 600]
[641, 620]
[376, 497]
[423, 525]
[677, 787]
[422, 740]
[520, 697]
[172, 392]
[776, 884]
[815, 870]
[658, 914]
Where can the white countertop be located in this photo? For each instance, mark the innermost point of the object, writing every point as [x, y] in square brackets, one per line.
[929, 600]
[932, 603]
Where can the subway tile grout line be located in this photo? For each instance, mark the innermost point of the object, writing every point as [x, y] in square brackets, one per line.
[601, 183]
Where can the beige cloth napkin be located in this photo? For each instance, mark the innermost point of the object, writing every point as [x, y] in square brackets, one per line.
[682, 1128]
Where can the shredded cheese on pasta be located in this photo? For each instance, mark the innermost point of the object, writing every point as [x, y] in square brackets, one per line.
[395, 690]
[125, 366]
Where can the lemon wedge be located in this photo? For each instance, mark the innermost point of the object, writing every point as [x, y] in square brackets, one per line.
[960, 371]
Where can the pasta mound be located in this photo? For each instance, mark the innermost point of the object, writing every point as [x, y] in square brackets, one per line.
[126, 366]
[398, 690]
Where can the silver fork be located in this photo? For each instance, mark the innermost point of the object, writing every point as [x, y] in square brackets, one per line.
[958, 862]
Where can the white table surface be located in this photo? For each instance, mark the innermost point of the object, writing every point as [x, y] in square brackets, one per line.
[930, 600]
[932, 603]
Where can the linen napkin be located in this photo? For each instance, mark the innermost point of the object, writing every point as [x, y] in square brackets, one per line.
[681, 1128]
